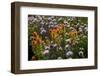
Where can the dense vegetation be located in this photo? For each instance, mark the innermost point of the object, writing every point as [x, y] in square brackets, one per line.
[57, 37]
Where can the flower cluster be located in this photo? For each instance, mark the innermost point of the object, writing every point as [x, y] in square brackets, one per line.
[57, 37]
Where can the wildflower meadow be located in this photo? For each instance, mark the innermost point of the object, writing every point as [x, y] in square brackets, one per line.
[57, 37]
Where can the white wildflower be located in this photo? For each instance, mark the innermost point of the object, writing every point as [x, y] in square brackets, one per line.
[69, 54]
[59, 58]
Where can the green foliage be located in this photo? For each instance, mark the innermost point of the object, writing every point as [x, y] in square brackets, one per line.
[79, 41]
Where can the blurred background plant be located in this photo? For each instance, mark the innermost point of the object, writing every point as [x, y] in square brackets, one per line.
[57, 37]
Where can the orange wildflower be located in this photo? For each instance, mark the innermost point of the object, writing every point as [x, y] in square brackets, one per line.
[73, 34]
[36, 40]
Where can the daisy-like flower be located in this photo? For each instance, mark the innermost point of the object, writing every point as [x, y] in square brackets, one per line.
[68, 40]
[60, 48]
[52, 25]
[59, 58]
[80, 29]
[54, 45]
[45, 52]
[81, 48]
[51, 42]
[71, 28]
[69, 54]
[65, 22]
[49, 18]
[79, 20]
[54, 20]
[77, 39]
[42, 30]
[69, 19]
[47, 47]
[66, 46]
[42, 22]
[68, 25]
[60, 19]
[30, 18]
[39, 17]
[55, 23]
[51, 22]
[81, 53]
[86, 29]
[84, 36]
[35, 19]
